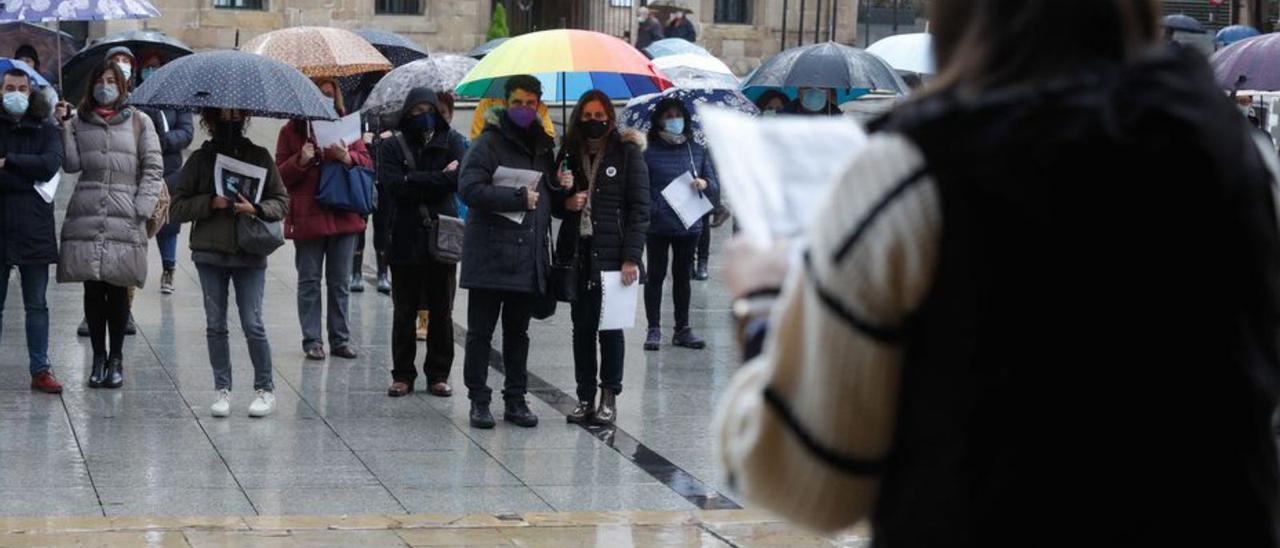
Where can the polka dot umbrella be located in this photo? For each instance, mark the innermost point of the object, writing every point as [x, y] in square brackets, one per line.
[235, 80]
[320, 52]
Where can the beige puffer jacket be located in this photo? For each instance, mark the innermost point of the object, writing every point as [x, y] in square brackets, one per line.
[104, 234]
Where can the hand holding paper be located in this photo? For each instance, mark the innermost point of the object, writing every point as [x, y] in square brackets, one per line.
[618, 305]
[343, 130]
[684, 195]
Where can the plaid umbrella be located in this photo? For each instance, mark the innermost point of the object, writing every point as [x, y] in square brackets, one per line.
[232, 79]
[320, 52]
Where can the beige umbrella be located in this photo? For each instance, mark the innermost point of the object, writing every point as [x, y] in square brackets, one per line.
[320, 52]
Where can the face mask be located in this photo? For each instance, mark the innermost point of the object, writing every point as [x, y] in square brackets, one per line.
[126, 69]
[148, 72]
[105, 94]
[595, 129]
[814, 100]
[674, 126]
[424, 123]
[15, 103]
[1245, 109]
[769, 113]
[227, 130]
[522, 117]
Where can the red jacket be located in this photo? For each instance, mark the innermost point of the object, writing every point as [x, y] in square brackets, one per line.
[307, 219]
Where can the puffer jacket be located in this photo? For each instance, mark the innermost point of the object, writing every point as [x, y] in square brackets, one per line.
[32, 150]
[215, 230]
[307, 219]
[619, 206]
[666, 162]
[174, 141]
[104, 236]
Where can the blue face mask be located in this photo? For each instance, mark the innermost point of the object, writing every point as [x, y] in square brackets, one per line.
[814, 100]
[126, 69]
[425, 122]
[147, 72]
[16, 103]
[674, 126]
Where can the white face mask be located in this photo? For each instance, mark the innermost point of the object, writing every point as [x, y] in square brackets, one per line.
[1246, 110]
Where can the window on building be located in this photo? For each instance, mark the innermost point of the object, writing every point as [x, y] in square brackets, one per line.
[733, 11]
[240, 4]
[398, 7]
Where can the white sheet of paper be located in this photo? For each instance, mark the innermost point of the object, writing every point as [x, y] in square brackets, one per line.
[49, 188]
[776, 172]
[689, 204]
[254, 177]
[618, 307]
[516, 178]
[345, 130]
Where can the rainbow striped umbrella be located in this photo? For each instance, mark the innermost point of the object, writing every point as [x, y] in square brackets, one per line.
[569, 63]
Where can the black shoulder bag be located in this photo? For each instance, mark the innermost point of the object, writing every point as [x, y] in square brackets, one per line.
[444, 234]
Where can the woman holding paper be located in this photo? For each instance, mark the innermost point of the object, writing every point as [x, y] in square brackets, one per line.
[673, 155]
[201, 198]
[324, 239]
[605, 222]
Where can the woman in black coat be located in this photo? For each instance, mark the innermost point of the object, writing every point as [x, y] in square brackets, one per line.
[604, 228]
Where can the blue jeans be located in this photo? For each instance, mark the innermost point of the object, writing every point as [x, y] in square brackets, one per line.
[167, 242]
[250, 283]
[331, 258]
[35, 281]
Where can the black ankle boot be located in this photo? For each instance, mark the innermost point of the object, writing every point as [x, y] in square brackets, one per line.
[518, 413]
[98, 373]
[384, 276]
[115, 373]
[608, 411]
[480, 416]
[583, 413]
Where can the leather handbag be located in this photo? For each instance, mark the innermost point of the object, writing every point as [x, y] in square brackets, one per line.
[159, 215]
[258, 237]
[444, 236]
[344, 189]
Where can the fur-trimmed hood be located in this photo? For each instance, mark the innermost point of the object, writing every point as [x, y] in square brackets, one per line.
[635, 137]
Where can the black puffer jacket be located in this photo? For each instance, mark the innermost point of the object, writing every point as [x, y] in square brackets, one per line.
[428, 185]
[32, 152]
[619, 205]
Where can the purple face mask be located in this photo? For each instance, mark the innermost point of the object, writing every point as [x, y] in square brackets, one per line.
[522, 116]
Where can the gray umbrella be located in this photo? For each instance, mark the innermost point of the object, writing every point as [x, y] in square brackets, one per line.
[1183, 23]
[396, 48]
[237, 80]
[484, 49]
[850, 71]
[440, 73]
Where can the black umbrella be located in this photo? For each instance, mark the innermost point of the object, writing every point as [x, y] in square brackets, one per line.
[486, 48]
[143, 43]
[850, 71]
[396, 48]
[1183, 23]
[237, 80]
[51, 45]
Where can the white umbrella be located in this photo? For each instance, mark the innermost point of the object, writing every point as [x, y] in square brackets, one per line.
[907, 52]
[694, 71]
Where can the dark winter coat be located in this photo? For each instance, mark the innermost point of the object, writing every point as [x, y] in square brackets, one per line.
[429, 185]
[215, 230]
[683, 31]
[649, 31]
[499, 254]
[666, 162]
[619, 205]
[307, 219]
[174, 141]
[32, 152]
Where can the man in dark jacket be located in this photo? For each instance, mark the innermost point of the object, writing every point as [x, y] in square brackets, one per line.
[419, 170]
[650, 29]
[30, 154]
[680, 27]
[505, 263]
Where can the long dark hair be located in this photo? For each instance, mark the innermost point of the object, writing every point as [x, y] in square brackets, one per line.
[982, 44]
[88, 103]
[573, 136]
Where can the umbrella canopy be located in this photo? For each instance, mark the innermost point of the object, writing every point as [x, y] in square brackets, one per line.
[396, 48]
[7, 64]
[696, 72]
[674, 46]
[320, 52]
[581, 60]
[639, 111]
[1235, 33]
[850, 71]
[76, 10]
[143, 44]
[440, 73]
[486, 48]
[232, 79]
[49, 44]
[1183, 23]
[1251, 58]
[907, 52]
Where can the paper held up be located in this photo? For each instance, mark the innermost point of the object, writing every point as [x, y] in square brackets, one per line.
[342, 132]
[776, 172]
[516, 178]
[49, 188]
[618, 305]
[232, 177]
[689, 203]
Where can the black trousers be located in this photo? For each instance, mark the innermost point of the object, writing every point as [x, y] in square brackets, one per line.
[434, 285]
[106, 307]
[704, 241]
[484, 307]
[681, 250]
[586, 329]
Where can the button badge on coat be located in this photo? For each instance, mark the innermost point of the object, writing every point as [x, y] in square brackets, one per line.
[611, 172]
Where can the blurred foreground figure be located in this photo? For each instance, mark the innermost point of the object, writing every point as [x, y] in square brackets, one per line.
[1040, 310]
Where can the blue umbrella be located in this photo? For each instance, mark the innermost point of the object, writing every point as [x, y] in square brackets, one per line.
[850, 71]
[1183, 23]
[257, 85]
[1235, 33]
[639, 111]
[674, 46]
[7, 64]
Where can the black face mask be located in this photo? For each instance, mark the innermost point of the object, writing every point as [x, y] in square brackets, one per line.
[595, 129]
[227, 131]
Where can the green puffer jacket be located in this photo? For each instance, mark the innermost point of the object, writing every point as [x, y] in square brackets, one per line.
[215, 230]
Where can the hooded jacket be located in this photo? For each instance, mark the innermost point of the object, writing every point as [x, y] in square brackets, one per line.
[619, 205]
[32, 150]
[429, 185]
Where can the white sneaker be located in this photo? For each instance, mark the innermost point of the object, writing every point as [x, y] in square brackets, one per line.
[262, 405]
[222, 404]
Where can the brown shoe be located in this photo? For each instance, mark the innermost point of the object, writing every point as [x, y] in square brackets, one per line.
[315, 353]
[345, 352]
[45, 382]
[400, 389]
[440, 390]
